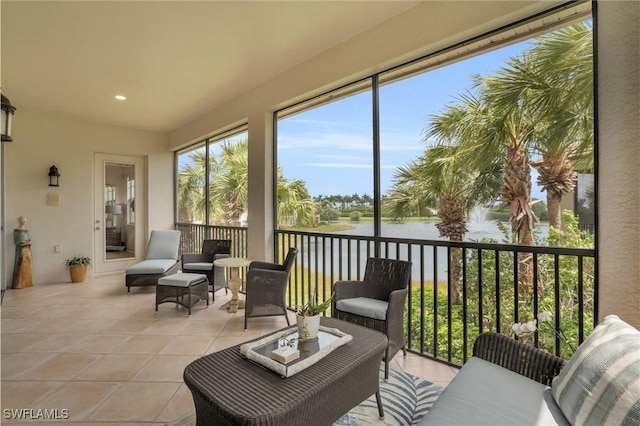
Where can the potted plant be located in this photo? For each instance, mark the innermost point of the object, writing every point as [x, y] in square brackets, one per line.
[77, 266]
[308, 317]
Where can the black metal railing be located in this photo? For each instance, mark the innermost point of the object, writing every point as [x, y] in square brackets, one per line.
[495, 285]
[445, 313]
[192, 235]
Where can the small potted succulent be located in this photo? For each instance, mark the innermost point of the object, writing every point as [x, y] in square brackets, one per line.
[308, 317]
[78, 266]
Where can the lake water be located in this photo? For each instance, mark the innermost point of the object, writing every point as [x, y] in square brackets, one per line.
[425, 230]
[409, 230]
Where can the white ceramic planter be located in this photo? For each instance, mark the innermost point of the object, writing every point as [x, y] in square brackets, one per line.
[308, 326]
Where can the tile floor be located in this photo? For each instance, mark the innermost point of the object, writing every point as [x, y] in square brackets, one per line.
[108, 358]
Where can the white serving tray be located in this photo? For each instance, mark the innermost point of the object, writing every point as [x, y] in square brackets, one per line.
[311, 351]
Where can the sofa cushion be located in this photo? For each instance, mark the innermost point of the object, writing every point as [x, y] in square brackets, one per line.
[158, 266]
[601, 382]
[483, 393]
[364, 306]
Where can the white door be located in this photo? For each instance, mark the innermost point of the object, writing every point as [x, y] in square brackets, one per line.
[119, 212]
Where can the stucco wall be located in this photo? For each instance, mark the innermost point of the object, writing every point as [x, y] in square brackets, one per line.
[618, 47]
[41, 140]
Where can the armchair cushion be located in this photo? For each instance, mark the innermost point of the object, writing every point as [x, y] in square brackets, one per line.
[364, 306]
[198, 266]
[195, 258]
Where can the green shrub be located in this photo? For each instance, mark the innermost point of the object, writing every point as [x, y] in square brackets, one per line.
[502, 295]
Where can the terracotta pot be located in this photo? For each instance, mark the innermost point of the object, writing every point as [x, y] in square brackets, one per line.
[78, 273]
[308, 326]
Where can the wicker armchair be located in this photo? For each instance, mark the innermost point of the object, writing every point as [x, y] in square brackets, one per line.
[518, 357]
[377, 302]
[202, 263]
[265, 288]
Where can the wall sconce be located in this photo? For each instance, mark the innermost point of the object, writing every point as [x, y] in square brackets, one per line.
[7, 114]
[53, 176]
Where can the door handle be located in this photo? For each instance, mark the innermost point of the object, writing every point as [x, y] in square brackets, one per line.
[97, 228]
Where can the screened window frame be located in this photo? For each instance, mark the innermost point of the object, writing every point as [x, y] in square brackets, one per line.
[205, 143]
[541, 23]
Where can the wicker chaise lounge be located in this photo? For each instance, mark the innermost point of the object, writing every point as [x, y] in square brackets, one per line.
[161, 259]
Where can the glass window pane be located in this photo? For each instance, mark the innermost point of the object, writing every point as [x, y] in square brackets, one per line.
[325, 165]
[448, 158]
[228, 180]
[191, 183]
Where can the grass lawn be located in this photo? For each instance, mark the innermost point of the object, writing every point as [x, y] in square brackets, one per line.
[344, 224]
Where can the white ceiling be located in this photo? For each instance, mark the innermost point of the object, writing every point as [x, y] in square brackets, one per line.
[174, 60]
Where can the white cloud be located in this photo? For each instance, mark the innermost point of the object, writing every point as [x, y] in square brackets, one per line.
[326, 140]
[346, 166]
[340, 165]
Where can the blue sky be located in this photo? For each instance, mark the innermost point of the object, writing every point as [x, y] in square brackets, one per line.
[329, 147]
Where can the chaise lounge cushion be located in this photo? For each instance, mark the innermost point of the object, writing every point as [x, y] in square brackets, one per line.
[484, 393]
[601, 382]
[154, 266]
[163, 245]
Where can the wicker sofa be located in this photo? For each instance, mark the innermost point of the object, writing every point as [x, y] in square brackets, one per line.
[508, 382]
[505, 382]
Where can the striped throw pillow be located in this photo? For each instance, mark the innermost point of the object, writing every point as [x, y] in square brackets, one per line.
[601, 382]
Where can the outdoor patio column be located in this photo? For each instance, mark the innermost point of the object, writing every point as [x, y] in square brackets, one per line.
[618, 105]
[260, 235]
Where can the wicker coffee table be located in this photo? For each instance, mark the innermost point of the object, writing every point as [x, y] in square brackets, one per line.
[230, 390]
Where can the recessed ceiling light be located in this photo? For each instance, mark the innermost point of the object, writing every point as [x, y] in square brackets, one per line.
[121, 97]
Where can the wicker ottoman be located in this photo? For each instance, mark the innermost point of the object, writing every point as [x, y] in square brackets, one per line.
[178, 287]
[230, 390]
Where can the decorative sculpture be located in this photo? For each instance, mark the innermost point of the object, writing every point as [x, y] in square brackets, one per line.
[22, 275]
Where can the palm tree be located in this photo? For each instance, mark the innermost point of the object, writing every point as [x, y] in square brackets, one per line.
[294, 202]
[552, 85]
[228, 183]
[228, 187]
[409, 195]
[486, 138]
[191, 182]
[494, 143]
[440, 178]
[539, 103]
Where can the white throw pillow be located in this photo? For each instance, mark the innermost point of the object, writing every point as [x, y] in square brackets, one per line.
[601, 382]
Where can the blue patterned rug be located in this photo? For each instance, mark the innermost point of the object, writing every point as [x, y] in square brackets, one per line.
[405, 398]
